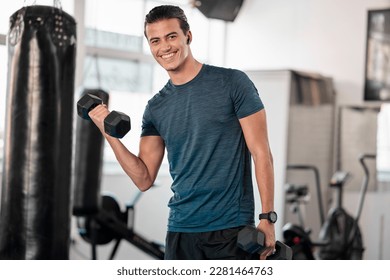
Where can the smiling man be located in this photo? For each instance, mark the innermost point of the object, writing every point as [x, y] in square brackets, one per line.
[169, 43]
[212, 123]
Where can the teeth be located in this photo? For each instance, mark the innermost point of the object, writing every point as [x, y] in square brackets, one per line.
[167, 55]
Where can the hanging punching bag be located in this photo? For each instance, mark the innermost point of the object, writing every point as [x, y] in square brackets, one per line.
[88, 163]
[35, 201]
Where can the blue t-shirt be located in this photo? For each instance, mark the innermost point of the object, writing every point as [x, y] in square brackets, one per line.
[208, 158]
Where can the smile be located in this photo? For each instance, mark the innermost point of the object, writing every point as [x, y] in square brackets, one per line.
[167, 56]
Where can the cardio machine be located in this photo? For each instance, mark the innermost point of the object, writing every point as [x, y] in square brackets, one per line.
[297, 236]
[340, 236]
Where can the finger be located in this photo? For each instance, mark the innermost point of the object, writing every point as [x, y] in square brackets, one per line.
[266, 253]
[98, 110]
[100, 107]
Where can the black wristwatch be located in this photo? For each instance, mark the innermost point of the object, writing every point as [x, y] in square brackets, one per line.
[271, 216]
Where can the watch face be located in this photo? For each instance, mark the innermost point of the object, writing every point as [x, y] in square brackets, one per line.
[273, 217]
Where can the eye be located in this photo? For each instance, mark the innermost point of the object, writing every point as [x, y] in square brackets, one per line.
[154, 41]
[171, 37]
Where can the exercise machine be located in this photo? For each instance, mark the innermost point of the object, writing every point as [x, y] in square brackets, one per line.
[297, 236]
[340, 236]
[341, 231]
[111, 224]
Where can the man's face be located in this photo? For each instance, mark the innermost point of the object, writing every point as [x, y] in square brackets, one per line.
[168, 43]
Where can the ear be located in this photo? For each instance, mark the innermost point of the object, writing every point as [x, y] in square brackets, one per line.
[189, 37]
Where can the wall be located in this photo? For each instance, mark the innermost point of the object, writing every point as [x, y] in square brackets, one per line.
[310, 35]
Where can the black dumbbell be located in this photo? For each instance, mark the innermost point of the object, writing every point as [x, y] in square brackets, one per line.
[116, 124]
[251, 240]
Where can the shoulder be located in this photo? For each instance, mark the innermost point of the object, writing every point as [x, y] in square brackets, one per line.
[229, 74]
[159, 95]
[220, 70]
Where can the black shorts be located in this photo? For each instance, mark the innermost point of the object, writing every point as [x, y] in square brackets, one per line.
[213, 245]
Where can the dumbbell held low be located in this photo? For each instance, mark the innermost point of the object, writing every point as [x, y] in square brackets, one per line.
[116, 124]
[252, 241]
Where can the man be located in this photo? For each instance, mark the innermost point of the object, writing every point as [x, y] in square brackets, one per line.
[211, 121]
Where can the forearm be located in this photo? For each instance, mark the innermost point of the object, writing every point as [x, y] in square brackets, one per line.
[265, 180]
[264, 173]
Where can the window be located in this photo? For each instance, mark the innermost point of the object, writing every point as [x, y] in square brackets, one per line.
[118, 16]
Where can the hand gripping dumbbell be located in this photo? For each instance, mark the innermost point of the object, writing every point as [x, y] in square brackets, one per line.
[252, 240]
[116, 124]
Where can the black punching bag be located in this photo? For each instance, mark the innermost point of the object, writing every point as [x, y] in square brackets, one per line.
[36, 183]
[88, 162]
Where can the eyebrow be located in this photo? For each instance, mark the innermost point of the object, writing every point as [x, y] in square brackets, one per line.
[167, 35]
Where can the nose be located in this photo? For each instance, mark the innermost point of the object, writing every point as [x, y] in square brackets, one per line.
[166, 46]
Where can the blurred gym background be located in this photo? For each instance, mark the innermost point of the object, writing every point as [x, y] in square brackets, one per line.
[312, 62]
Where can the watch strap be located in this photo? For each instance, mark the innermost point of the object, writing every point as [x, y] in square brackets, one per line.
[271, 216]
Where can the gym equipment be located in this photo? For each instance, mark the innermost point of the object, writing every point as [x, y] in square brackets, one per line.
[110, 223]
[340, 236]
[116, 124]
[88, 162]
[341, 231]
[297, 236]
[86, 103]
[36, 181]
[252, 240]
[295, 195]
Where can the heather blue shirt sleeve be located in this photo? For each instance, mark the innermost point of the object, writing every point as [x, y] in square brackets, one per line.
[245, 96]
[148, 128]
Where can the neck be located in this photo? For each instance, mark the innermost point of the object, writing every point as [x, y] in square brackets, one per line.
[186, 73]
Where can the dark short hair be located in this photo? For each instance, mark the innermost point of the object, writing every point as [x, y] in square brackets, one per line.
[167, 12]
